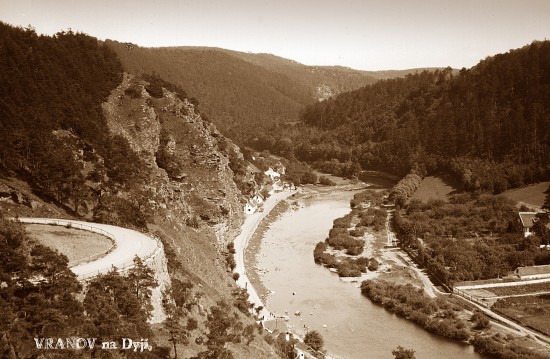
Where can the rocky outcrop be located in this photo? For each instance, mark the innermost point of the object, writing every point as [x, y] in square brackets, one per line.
[187, 157]
[12, 195]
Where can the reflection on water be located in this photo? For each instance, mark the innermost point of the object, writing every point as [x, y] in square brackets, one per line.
[355, 328]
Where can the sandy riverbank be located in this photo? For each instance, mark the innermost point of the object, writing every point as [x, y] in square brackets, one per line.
[248, 228]
[287, 204]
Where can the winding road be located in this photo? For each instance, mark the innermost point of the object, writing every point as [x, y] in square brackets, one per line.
[128, 244]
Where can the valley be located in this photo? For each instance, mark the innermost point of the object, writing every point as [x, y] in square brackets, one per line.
[239, 195]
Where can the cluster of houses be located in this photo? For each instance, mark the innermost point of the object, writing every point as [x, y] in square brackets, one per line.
[254, 203]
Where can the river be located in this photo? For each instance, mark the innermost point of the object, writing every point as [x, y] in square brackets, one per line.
[355, 327]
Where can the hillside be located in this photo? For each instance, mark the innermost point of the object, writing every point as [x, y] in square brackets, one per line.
[238, 96]
[245, 93]
[487, 126]
[82, 139]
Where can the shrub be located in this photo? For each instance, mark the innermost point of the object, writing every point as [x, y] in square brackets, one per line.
[373, 264]
[314, 340]
[192, 222]
[480, 320]
[134, 91]
[324, 180]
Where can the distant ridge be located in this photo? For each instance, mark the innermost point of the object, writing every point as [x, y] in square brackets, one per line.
[245, 93]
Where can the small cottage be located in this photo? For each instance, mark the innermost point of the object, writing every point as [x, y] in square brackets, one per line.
[250, 207]
[302, 351]
[527, 221]
[278, 186]
[258, 198]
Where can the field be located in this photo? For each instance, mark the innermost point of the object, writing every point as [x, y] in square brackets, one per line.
[76, 244]
[532, 195]
[433, 187]
[530, 311]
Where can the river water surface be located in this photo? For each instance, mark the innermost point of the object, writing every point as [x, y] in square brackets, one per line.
[355, 327]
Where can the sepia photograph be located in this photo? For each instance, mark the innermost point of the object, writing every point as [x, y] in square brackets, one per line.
[260, 179]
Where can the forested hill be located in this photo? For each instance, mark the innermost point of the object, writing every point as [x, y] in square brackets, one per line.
[489, 125]
[81, 139]
[52, 84]
[244, 93]
[239, 97]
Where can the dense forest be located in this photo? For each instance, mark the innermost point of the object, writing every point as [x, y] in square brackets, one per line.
[488, 126]
[50, 95]
[244, 93]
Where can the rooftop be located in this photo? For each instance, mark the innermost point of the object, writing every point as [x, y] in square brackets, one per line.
[527, 218]
[533, 270]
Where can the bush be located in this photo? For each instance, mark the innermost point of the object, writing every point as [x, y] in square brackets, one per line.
[192, 222]
[134, 91]
[373, 265]
[325, 181]
[481, 322]
[314, 340]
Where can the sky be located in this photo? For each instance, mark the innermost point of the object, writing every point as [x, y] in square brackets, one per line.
[361, 34]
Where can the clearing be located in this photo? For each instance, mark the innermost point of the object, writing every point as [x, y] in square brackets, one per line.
[76, 244]
[433, 187]
[532, 195]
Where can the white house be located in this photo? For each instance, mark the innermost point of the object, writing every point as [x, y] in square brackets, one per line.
[258, 198]
[527, 221]
[250, 207]
[274, 175]
[278, 186]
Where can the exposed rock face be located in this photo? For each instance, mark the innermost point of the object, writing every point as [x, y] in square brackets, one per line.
[189, 171]
[12, 195]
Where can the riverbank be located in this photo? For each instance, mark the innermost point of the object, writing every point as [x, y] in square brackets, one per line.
[248, 229]
[313, 298]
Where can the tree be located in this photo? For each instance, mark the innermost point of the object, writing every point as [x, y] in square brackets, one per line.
[314, 340]
[141, 279]
[402, 353]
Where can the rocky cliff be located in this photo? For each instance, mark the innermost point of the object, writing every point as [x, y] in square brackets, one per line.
[189, 179]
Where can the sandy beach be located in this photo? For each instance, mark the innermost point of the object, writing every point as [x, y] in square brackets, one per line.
[248, 229]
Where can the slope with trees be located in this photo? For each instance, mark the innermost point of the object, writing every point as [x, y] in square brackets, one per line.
[487, 126]
[81, 139]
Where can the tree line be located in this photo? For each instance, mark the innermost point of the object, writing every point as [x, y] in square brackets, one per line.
[488, 126]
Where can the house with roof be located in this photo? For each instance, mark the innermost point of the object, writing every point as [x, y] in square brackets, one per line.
[278, 186]
[250, 207]
[533, 272]
[528, 220]
[302, 351]
[272, 174]
[258, 198]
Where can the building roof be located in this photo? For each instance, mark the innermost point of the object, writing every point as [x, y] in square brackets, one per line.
[527, 218]
[301, 346]
[533, 270]
[275, 325]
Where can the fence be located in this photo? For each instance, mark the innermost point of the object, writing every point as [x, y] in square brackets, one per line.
[470, 297]
[87, 226]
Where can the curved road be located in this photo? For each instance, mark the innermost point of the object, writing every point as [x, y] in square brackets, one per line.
[128, 244]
